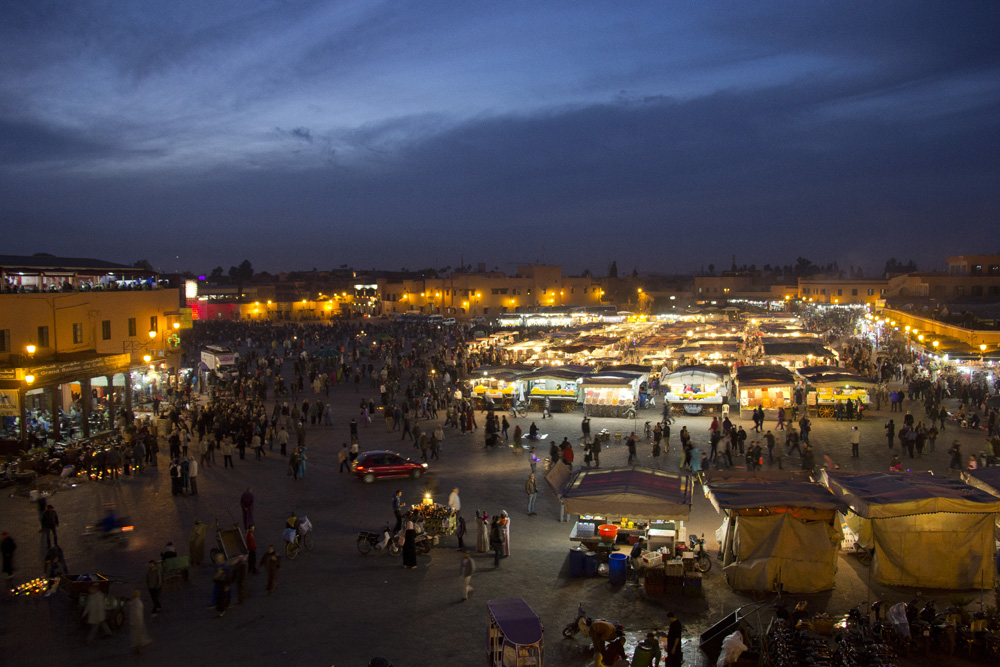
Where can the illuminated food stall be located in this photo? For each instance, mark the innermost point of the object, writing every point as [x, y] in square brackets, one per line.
[830, 385]
[639, 502]
[500, 385]
[780, 529]
[769, 386]
[797, 353]
[925, 530]
[559, 383]
[697, 386]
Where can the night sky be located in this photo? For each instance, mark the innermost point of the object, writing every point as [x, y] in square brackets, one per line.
[665, 135]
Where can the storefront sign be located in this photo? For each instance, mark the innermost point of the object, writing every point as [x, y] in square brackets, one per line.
[67, 371]
[10, 403]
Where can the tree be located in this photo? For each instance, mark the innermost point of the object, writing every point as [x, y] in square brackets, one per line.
[241, 274]
[144, 265]
[635, 272]
[894, 266]
[216, 274]
[711, 269]
[613, 269]
[586, 273]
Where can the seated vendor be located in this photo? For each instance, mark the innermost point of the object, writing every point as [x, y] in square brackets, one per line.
[169, 551]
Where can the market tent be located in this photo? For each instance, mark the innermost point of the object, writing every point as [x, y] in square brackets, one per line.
[634, 492]
[780, 529]
[987, 479]
[918, 523]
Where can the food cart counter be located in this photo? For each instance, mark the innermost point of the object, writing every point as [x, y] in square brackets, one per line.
[657, 533]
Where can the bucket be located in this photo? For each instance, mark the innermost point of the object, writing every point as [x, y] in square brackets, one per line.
[590, 564]
[576, 562]
[608, 532]
[617, 564]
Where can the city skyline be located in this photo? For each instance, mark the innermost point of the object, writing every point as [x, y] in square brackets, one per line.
[302, 134]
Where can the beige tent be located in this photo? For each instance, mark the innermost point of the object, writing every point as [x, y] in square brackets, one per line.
[927, 531]
[780, 529]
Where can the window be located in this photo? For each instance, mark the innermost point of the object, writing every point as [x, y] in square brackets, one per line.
[822, 290]
[881, 292]
[993, 290]
[106, 330]
[131, 326]
[959, 290]
[43, 336]
[529, 291]
[153, 323]
[994, 270]
[871, 292]
[4, 340]
[77, 333]
[854, 292]
[840, 292]
[977, 269]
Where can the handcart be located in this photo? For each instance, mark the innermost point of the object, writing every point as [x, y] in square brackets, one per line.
[232, 544]
[77, 586]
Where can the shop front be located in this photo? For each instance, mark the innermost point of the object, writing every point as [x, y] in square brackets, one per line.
[770, 387]
[694, 388]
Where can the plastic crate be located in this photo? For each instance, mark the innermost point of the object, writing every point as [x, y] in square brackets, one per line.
[652, 559]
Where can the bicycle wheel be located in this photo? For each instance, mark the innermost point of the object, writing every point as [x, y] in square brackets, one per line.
[307, 540]
[704, 563]
[364, 546]
[291, 550]
[865, 556]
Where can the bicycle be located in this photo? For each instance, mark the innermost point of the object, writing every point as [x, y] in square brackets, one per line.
[703, 562]
[518, 409]
[298, 538]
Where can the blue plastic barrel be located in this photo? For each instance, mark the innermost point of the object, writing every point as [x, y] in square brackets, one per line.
[590, 564]
[617, 568]
[576, 561]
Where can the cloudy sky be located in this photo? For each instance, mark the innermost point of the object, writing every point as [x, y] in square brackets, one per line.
[665, 135]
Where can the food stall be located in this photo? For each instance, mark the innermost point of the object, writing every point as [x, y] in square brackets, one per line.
[769, 386]
[797, 353]
[501, 385]
[831, 385]
[560, 384]
[781, 530]
[926, 531]
[432, 518]
[618, 506]
[611, 393]
[693, 387]
[515, 638]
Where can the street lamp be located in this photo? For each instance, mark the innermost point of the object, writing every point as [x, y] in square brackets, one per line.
[146, 358]
[29, 378]
[30, 349]
[152, 333]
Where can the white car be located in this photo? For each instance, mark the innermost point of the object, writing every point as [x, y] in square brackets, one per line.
[448, 321]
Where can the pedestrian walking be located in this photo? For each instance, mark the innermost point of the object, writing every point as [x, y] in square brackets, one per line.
[251, 540]
[7, 549]
[50, 522]
[855, 441]
[467, 568]
[531, 488]
[496, 540]
[196, 542]
[675, 631]
[246, 504]
[154, 582]
[193, 475]
[136, 617]
[95, 613]
[222, 579]
[454, 502]
[271, 561]
[460, 532]
[342, 456]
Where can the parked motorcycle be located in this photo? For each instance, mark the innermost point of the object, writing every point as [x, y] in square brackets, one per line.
[703, 562]
[378, 542]
[583, 623]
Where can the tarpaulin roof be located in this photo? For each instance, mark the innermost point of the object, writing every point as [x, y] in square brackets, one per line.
[557, 373]
[881, 495]
[634, 492]
[517, 621]
[764, 376]
[987, 479]
[832, 375]
[748, 492]
[797, 348]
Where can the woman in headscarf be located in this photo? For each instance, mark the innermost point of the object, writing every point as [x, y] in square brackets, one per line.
[410, 546]
[482, 531]
[505, 525]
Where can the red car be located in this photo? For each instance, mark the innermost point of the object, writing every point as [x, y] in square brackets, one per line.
[370, 466]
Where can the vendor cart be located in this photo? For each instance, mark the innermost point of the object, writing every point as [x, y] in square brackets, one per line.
[77, 586]
[515, 638]
[231, 543]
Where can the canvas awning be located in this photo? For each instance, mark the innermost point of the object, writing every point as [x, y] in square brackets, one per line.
[748, 491]
[633, 492]
[926, 531]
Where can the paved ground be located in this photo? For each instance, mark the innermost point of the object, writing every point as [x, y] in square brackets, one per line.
[337, 607]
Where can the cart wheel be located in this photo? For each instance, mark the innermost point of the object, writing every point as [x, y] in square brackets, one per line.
[117, 619]
[364, 546]
[368, 478]
[307, 541]
[424, 547]
[415, 474]
[291, 550]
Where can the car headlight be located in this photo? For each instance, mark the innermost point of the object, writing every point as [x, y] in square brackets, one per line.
[423, 465]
